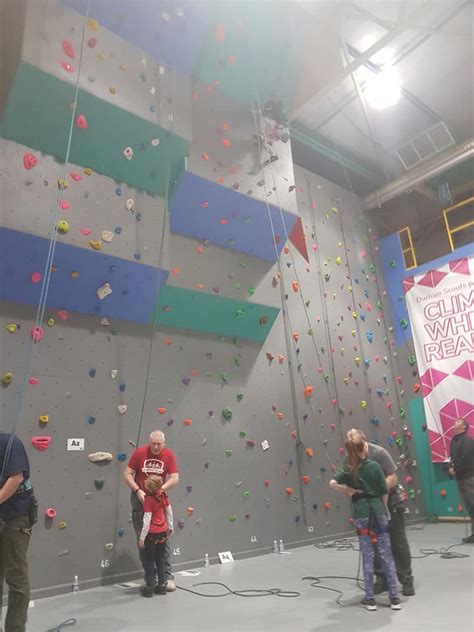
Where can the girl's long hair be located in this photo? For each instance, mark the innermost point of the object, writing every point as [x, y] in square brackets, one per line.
[355, 448]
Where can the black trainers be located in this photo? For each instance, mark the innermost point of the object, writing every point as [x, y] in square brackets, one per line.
[160, 590]
[368, 604]
[408, 589]
[395, 603]
[146, 592]
[380, 586]
[469, 540]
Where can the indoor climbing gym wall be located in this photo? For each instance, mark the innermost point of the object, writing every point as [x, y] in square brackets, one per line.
[165, 265]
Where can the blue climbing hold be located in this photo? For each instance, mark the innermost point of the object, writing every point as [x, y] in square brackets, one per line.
[91, 420]
[121, 456]
[92, 373]
[122, 387]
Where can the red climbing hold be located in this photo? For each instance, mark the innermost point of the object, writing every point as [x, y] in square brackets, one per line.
[306, 479]
[69, 49]
[81, 121]
[289, 490]
[204, 156]
[327, 505]
[308, 391]
[35, 277]
[29, 161]
[67, 66]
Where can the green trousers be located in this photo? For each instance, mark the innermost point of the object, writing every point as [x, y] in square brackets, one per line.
[14, 543]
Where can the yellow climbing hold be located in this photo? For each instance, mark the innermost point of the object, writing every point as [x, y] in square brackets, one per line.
[88, 171]
[338, 260]
[354, 314]
[334, 209]
[92, 24]
[62, 227]
[62, 524]
[43, 419]
[50, 322]
[75, 274]
[353, 333]
[95, 245]
[12, 327]
[62, 184]
[112, 90]
[101, 56]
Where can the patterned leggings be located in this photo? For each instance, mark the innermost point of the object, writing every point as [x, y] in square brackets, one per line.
[385, 552]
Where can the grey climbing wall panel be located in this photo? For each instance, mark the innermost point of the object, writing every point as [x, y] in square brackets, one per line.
[233, 494]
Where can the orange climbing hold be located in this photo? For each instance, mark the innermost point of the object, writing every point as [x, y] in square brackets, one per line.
[168, 341]
[226, 142]
[294, 434]
[306, 479]
[188, 422]
[310, 452]
[289, 490]
[280, 416]
[281, 358]
[295, 286]
[327, 505]
[175, 270]
[443, 493]
[161, 410]
[200, 286]
[308, 391]
[204, 156]
[190, 511]
[296, 337]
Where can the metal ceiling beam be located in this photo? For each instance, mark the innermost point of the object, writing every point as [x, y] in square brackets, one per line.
[426, 171]
[360, 61]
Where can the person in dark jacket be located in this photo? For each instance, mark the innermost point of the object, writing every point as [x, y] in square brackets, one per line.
[462, 467]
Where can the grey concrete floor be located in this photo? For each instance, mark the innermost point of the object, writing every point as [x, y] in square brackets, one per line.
[443, 601]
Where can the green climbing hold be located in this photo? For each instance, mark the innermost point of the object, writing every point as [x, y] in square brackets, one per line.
[242, 263]
[228, 452]
[398, 442]
[242, 434]
[225, 377]
[310, 331]
[227, 414]
[379, 304]
[403, 323]
[251, 291]
[246, 494]
[240, 397]
[236, 285]
[237, 359]
[239, 312]
[372, 268]
[411, 360]
[402, 413]
[232, 518]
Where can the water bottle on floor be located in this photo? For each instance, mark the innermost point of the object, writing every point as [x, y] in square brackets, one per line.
[281, 547]
[75, 584]
[275, 546]
[206, 561]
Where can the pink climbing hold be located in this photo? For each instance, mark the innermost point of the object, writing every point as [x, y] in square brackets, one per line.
[36, 277]
[50, 513]
[68, 48]
[41, 443]
[33, 381]
[29, 161]
[86, 231]
[64, 204]
[75, 176]
[67, 66]
[63, 314]
[81, 121]
[37, 334]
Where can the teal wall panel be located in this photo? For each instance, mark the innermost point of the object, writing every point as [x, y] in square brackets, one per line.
[38, 114]
[198, 311]
[433, 476]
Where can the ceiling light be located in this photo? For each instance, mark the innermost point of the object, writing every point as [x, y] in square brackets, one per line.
[383, 89]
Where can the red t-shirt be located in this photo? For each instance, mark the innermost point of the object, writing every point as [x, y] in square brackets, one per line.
[144, 463]
[156, 506]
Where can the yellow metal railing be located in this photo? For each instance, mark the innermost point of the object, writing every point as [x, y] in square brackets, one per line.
[452, 231]
[408, 251]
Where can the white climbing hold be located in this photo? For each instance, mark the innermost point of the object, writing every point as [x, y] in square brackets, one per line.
[155, 142]
[130, 204]
[113, 374]
[152, 90]
[105, 321]
[161, 70]
[109, 546]
[128, 153]
[122, 408]
[96, 457]
[107, 236]
[103, 291]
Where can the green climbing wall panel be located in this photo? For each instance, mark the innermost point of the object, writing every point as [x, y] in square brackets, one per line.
[38, 114]
[199, 311]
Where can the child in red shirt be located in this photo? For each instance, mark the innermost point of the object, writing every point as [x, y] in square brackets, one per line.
[157, 524]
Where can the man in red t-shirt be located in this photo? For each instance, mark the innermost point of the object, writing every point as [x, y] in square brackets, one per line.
[153, 458]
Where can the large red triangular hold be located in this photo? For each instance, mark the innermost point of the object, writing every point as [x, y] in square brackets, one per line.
[298, 240]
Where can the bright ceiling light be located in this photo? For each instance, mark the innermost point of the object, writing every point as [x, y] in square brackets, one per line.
[383, 89]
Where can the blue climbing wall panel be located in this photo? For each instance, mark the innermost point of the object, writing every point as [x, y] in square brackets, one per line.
[202, 209]
[134, 285]
[169, 32]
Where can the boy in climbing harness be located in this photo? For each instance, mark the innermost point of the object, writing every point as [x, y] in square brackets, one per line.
[18, 513]
[157, 525]
[363, 481]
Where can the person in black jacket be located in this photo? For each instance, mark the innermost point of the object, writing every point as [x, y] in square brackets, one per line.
[462, 466]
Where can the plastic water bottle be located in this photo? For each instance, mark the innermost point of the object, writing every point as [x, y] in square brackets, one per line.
[206, 561]
[281, 547]
[75, 584]
[275, 546]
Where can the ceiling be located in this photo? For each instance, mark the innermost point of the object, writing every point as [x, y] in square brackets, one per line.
[430, 45]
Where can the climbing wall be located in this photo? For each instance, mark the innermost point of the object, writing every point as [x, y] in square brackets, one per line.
[245, 318]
